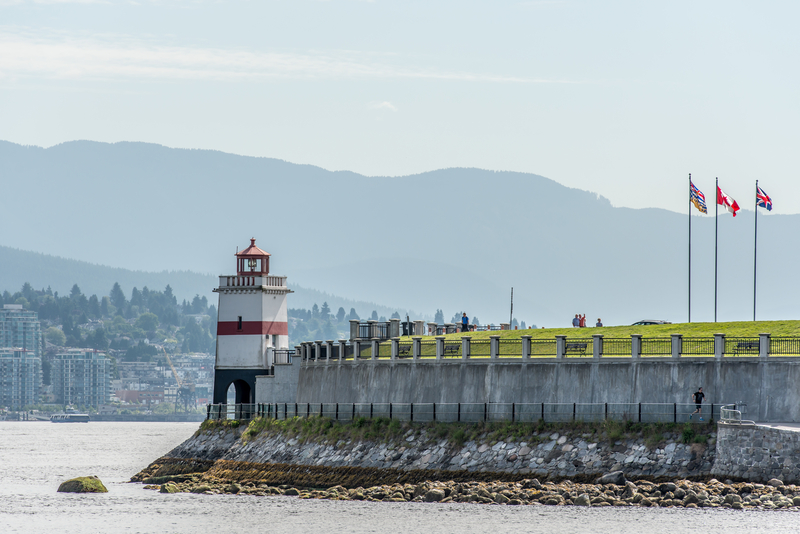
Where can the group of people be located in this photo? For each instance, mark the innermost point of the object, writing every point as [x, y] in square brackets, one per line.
[580, 321]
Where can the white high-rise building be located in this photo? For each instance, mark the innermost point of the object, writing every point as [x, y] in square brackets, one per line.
[252, 320]
[20, 329]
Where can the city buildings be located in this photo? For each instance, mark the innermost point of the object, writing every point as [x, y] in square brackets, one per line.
[20, 329]
[20, 378]
[81, 377]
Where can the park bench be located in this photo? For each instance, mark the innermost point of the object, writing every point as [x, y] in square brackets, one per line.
[575, 348]
[403, 351]
[451, 349]
[747, 347]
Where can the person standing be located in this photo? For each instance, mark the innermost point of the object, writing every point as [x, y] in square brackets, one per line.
[698, 397]
[582, 321]
[576, 322]
[464, 322]
[599, 322]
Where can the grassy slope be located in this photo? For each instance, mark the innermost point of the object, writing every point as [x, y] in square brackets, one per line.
[735, 329]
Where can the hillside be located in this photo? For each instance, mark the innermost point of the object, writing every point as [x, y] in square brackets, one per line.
[455, 239]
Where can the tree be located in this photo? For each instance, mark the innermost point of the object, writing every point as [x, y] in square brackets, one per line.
[395, 315]
[104, 310]
[97, 340]
[55, 336]
[315, 311]
[522, 325]
[136, 297]
[374, 316]
[148, 322]
[94, 307]
[353, 315]
[340, 315]
[439, 317]
[118, 297]
[325, 312]
[75, 292]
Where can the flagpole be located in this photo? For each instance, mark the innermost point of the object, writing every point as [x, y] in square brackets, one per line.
[716, 234]
[755, 253]
[690, 247]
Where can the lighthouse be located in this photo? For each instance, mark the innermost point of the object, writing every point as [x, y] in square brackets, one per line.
[252, 320]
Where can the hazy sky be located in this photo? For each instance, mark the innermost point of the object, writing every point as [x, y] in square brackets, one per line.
[621, 98]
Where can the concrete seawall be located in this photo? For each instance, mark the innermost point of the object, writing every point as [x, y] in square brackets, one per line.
[767, 386]
[758, 453]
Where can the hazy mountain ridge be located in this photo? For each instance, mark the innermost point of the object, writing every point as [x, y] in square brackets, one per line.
[455, 239]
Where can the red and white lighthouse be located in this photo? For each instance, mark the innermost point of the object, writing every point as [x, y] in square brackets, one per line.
[252, 320]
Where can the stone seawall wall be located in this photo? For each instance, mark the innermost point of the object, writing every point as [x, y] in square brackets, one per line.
[581, 380]
[757, 453]
[544, 455]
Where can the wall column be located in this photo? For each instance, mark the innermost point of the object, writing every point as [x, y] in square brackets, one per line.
[636, 346]
[763, 345]
[318, 352]
[416, 347]
[329, 350]
[353, 329]
[719, 346]
[677, 345]
[597, 345]
[419, 328]
[356, 350]
[432, 329]
[465, 347]
[494, 346]
[526, 348]
[395, 347]
[375, 343]
[394, 328]
[342, 349]
[439, 347]
[561, 346]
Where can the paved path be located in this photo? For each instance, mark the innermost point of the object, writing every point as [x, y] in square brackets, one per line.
[795, 427]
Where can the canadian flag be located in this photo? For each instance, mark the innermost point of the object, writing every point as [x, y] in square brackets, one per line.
[728, 202]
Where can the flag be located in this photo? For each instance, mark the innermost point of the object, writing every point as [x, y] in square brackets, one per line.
[697, 198]
[762, 199]
[728, 202]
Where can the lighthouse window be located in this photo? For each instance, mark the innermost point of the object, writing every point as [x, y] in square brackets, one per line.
[240, 322]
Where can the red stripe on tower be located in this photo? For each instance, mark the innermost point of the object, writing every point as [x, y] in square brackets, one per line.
[252, 328]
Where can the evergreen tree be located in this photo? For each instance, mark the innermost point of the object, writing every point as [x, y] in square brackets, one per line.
[374, 316]
[325, 312]
[439, 317]
[353, 315]
[94, 307]
[340, 315]
[395, 315]
[315, 311]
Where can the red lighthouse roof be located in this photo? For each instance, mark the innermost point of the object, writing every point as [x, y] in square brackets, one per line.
[252, 260]
[252, 251]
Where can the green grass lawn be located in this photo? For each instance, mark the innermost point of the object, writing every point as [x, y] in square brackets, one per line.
[707, 330]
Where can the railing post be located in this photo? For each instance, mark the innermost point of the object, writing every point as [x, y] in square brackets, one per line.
[494, 347]
[561, 346]
[676, 345]
[432, 327]
[636, 346]
[465, 347]
[419, 328]
[526, 348]
[439, 347]
[372, 331]
[318, 352]
[719, 346]
[328, 350]
[416, 347]
[597, 345]
[395, 348]
[394, 328]
[342, 349]
[353, 329]
[763, 345]
[375, 343]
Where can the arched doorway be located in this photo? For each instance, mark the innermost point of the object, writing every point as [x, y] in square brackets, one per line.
[239, 392]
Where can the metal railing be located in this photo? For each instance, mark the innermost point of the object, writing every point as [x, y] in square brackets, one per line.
[729, 414]
[741, 346]
[617, 347]
[784, 346]
[697, 346]
[480, 348]
[282, 356]
[656, 347]
[466, 412]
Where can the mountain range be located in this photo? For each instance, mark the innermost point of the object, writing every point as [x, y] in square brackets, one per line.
[455, 239]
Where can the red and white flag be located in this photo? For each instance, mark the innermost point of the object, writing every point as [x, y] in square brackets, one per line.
[728, 202]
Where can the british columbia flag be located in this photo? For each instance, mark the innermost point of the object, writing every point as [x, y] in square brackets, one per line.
[762, 199]
[697, 198]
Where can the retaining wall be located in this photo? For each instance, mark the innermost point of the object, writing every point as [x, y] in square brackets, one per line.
[767, 386]
[757, 453]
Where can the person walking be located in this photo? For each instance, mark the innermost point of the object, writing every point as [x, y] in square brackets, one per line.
[698, 397]
[464, 322]
[576, 322]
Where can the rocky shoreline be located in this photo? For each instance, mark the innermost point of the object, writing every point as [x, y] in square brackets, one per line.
[679, 494]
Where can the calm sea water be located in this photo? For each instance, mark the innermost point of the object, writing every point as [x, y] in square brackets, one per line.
[36, 457]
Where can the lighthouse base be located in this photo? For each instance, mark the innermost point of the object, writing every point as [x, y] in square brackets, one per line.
[243, 380]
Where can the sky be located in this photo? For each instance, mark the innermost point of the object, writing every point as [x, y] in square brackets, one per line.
[623, 98]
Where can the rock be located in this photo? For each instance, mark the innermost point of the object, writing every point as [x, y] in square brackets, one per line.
[501, 499]
[615, 477]
[90, 484]
[737, 506]
[669, 486]
[532, 483]
[582, 500]
[420, 490]
[291, 491]
[169, 487]
[775, 482]
[434, 495]
[201, 489]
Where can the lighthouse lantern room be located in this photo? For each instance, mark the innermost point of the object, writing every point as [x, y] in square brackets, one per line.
[252, 321]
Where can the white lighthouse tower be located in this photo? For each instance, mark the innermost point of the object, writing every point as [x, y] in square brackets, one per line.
[252, 320]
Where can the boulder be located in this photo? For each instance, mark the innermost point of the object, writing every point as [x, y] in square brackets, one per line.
[582, 500]
[169, 487]
[90, 484]
[531, 483]
[292, 492]
[434, 495]
[615, 477]
[775, 482]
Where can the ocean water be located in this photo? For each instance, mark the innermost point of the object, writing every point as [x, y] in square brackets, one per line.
[36, 457]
